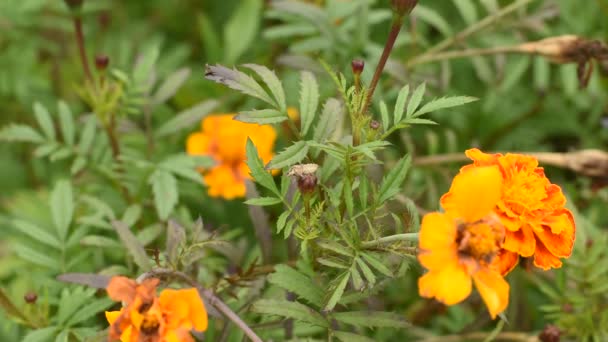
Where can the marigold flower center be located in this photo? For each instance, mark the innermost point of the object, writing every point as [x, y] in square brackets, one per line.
[524, 192]
[150, 325]
[480, 240]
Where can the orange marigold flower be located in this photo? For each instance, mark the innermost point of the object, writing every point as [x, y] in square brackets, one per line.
[531, 209]
[145, 317]
[460, 247]
[224, 139]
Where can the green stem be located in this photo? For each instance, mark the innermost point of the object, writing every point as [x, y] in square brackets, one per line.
[412, 237]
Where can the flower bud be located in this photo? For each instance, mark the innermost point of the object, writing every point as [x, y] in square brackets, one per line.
[74, 4]
[305, 176]
[30, 297]
[358, 66]
[403, 7]
[374, 125]
[102, 62]
[551, 333]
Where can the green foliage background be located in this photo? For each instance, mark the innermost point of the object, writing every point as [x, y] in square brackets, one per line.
[60, 188]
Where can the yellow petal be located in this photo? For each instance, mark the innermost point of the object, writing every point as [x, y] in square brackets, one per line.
[494, 290]
[474, 193]
[437, 231]
[112, 316]
[450, 285]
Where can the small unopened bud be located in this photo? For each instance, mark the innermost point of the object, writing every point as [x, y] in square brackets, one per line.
[567, 308]
[30, 297]
[551, 333]
[358, 66]
[403, 7]
[102, 62]
[74, 4]
[374, 124]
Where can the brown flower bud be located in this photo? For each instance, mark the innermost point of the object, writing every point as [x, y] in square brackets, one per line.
[74, 4]
[307, 184]
[30, 297]
[551, 333]
[403, 7]
[374, 124]
[102, 62]
[566, 49]
[358, 66]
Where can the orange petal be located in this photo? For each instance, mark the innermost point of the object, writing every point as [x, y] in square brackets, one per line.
[561, 221]
[494, 290]
[450, 285]
[437, 231]
[505, 262]
[198, 314]
[521, 242]
[198, 144]
[544, 259]
[474, 193]
[560, 244]
[122, 289]
[184, 309]
[481, 158]
[112, 316]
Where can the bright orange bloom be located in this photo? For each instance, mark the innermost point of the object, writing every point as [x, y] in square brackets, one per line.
[460, 247]
[145, 317]
[224, 139]
[531, 209]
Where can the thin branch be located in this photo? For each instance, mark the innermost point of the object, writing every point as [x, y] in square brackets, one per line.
[209, 296]
[81, 47]
[463, 54]
[481, 336]
[471, 30]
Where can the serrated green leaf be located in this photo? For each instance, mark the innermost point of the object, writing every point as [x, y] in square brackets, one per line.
[442, 103]
[264, 201]
[241, 29]
[144, 67]
[281, 221]
[21, 133]
[335, 247]
[171, 85]
[88, 135]
[272, 81]
[377, 264]
[176, 235]
[467, 10]
[239, 81]
[338, 291]
[391, 184]
[43, 334]
[367, 272]
[134, 247]
[187, 118]
[289, 156]
[415, 121]
[332, 262]
[77, 166]
[309, 100]
[298, 283]
[356, 277]
[295, 310]
[256, 169]
[37, 233]
[62, 207]
[35, 257]
[386, 120]
[88, 311]
[262, 116]
[400, 105]
[44, 120]
[372, 319]
[99, 241]
[415, 100]
[350, 337]
[332, 110]
[185, 166]
[66, 121]
[164, 188]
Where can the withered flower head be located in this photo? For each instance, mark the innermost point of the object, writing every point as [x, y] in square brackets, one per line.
[305, 176]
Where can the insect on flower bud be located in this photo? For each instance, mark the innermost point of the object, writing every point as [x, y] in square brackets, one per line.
[102, 62]
[305, 176]
[358, 66]
[30, 297]
[403, 7]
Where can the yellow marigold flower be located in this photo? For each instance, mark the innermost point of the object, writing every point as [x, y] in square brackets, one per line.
[531, 209]
[460, 247]
[145, 317]
[224, 139]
